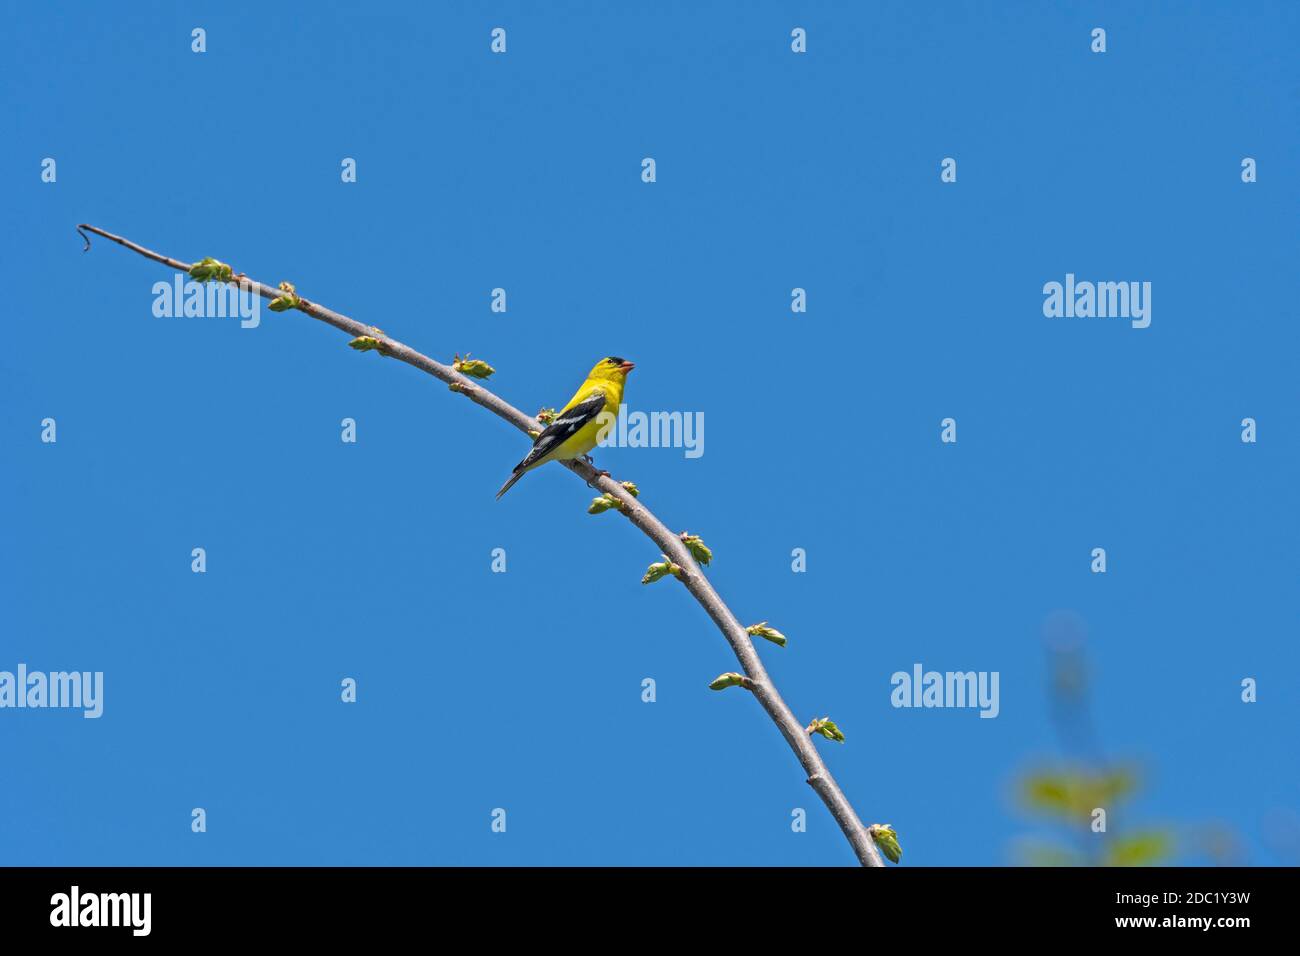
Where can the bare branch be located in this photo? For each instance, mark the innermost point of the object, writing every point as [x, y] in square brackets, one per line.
[819, 777]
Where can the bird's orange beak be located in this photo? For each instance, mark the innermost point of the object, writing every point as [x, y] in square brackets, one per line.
[627, 367]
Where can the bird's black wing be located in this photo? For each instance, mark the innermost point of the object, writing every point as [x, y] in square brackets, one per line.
[564, 428]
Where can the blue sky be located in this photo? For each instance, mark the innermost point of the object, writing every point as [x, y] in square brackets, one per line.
[774, 170]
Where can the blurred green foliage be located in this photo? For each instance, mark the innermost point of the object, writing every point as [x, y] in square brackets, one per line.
[1069, 792]
[1069, 796]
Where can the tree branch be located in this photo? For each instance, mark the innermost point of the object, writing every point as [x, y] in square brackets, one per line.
[819, 777]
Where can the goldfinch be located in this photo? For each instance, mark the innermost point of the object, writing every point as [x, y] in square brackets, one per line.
[577, 425]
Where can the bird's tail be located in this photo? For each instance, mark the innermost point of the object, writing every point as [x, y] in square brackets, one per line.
[510, 482]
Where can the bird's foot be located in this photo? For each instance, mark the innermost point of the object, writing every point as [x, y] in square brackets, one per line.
[598, 474]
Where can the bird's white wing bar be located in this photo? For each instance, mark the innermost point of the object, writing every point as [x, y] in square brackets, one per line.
[564, 428]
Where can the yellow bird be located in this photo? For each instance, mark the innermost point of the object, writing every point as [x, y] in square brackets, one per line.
[578, 424]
